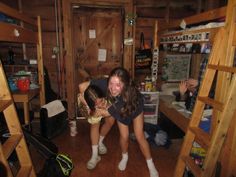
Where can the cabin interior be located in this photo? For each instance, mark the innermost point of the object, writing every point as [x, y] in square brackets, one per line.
[49, 47]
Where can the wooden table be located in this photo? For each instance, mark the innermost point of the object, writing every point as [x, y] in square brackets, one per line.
[25, 97]
[181, 119]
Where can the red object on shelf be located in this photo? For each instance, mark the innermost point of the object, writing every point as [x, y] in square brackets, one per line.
[23, 83]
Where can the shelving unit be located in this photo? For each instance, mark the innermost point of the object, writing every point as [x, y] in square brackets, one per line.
[16, 33]
[29, 33]
[223, 49]
[15, 68]
[151, 103]
[196, 39]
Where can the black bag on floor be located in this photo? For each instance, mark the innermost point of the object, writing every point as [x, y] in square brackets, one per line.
[60, 165]
[43, 145]
[56, 165]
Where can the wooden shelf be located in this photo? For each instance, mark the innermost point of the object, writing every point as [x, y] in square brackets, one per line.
[10, 69]
[192, 35]
[14, 33]
[189, 36]
[196, 19]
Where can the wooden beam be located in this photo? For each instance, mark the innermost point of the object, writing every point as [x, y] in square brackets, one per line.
[69, 58]
[14, 33]
[40, 63]
[15, 14]
[61, 53]
[128, 59]
[103, 2]
[162, 3]
[205, 16]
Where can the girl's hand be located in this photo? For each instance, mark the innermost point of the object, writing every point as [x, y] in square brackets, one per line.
[183, 87]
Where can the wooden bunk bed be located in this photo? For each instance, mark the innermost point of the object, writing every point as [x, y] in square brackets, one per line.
[24, 30]
[170, 33]
[226, 167]
[202, 18]
[18, 28]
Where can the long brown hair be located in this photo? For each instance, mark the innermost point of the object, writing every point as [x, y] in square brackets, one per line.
[129, 93]
[91, 94]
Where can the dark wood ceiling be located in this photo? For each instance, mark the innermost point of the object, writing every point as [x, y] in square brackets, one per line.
[149, 8]
[174, 8]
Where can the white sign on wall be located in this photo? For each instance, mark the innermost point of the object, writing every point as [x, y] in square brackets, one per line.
[92, 34]
[102, 54]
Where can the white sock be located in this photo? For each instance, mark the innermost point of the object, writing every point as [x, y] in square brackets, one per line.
[94, 151]
[101, 138]
[123, 162]
[152, 169]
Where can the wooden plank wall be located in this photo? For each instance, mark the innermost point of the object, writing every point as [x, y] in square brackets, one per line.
[46, 9]
[145, 25]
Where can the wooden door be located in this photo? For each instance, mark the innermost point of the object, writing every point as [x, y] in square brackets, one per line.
[97, 40]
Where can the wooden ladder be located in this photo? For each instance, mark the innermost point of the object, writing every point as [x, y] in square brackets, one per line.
[16, 141]
[225, 108]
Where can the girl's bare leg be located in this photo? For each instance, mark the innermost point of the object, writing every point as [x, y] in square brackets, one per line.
[143, 144]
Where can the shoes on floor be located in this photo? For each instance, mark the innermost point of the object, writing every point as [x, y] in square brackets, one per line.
[92, 163]
[102, 149]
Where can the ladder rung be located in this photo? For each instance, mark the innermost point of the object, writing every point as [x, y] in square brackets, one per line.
[201, 137]
[223, 68]
[216, 104]
[194, 168]
[24, 171]
[10, 144]
[4, 104]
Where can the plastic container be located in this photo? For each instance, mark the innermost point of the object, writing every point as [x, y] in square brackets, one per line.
[23, 83]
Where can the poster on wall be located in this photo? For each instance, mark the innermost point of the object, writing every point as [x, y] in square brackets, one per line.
[176, 67]
[102, 54]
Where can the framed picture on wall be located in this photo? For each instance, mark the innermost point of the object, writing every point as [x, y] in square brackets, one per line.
[176, 67]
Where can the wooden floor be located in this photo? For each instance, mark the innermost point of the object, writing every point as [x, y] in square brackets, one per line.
[79, 149]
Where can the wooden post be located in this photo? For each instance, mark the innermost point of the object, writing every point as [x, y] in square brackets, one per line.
[40, 63]
[69, 58]
[22, 25]
[129, 32]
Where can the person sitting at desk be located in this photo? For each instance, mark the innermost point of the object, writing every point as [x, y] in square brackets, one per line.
[188, 89]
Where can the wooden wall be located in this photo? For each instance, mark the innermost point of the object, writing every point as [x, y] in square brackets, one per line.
[45, 9]
[68, 33]
[145, 25]
[146, 13]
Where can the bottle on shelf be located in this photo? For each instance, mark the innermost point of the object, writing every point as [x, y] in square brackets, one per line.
[148, 84]
[154, 84]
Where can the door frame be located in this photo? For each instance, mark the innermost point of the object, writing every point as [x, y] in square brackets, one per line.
[128, 55]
